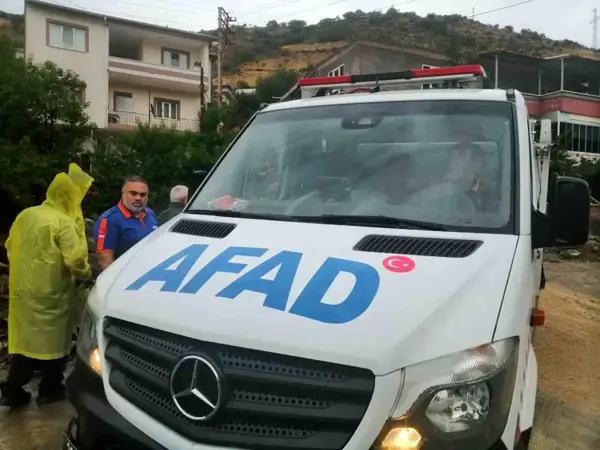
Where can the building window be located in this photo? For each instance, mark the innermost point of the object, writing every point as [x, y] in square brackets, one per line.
[175, 58]
[432, 85]
[66, 36]
[168, 109]
[337, 72]
[123, 101]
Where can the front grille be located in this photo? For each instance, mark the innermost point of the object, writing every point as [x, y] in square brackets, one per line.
[272, 401]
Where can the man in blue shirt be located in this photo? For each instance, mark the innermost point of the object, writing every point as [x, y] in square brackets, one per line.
[125, 224]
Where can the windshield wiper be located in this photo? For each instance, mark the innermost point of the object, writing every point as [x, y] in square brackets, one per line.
[242, 214]
[331, 219]
[373, 220]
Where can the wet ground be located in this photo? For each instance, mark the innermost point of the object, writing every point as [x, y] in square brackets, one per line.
[568, 351]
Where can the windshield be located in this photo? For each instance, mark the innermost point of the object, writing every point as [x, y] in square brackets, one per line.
[446, 163]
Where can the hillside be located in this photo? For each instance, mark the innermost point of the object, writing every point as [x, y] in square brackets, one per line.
[257, 51]
[13, 26]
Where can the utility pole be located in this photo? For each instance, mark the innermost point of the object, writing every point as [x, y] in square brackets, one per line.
[202, 88]
[473, 13]
[223, 33]
[594, 24]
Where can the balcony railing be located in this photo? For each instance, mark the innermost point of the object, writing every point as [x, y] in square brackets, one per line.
[128, 120]
[191, 75]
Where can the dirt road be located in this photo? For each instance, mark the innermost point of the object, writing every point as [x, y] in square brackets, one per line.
[568, 352]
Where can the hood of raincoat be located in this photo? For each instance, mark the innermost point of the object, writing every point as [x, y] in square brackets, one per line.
[81, 179]
[63, 195]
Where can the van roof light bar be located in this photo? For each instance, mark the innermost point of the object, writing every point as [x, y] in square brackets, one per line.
[419, 76]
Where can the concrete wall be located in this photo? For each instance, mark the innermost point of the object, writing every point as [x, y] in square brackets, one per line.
[91, 65]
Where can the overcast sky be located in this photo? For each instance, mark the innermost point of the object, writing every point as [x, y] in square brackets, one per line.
[558, 19]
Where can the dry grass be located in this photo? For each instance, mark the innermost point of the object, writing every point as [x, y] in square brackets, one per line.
[295, 57]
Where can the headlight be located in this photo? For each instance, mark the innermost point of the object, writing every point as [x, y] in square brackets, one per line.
[87, 342]
[460, 401]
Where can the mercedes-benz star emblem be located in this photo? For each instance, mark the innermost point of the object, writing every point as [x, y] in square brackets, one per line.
[196, 388]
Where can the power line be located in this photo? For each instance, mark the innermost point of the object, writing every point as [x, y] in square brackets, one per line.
[188, 11]
[75, 4]
[312, 9]
[129, 16]
[502, 8]
[264, 7]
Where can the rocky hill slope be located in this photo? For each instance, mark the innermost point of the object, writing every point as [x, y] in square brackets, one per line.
[259, 51]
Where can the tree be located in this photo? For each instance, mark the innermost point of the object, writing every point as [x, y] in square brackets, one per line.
[561, 163]
[296, 24]
[163, 156]
[268, 89]
[42, 124]
[453, 49]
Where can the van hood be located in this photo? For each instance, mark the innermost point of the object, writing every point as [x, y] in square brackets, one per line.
[301, 289]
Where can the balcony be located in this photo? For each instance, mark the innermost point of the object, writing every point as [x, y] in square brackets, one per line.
[122, 120]
[136, 72]
[568, 102]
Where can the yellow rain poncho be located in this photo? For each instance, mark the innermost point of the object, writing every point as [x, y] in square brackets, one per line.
[46, 253]
[83, 181]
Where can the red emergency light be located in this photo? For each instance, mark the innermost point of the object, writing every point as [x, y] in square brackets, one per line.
[474, 70]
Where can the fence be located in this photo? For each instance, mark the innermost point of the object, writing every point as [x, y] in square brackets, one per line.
[124, 119]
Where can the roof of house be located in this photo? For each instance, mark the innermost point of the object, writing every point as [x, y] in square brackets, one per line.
[512, 56]
[352, 45]
[120, 20]
[394, 48]
[573, 61]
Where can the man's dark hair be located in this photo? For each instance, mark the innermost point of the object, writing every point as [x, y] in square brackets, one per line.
[135, 179]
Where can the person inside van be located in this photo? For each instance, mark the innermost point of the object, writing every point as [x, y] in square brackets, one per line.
[459, 189]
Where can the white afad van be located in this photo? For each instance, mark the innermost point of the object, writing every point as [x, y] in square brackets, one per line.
[356, 272]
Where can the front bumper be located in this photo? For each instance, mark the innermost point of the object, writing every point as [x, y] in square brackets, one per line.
[96, 425]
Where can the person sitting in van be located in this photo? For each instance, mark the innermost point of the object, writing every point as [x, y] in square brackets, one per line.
[459, 190]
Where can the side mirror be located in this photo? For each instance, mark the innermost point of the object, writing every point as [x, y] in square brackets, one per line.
[569, 212]
[198, 177]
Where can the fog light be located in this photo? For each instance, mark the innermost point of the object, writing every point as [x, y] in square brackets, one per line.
[95, 361]
[402, 438]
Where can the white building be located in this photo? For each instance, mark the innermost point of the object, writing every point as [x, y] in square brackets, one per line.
[135, 72]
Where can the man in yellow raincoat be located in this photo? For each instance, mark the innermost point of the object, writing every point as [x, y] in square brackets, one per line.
[47, 253]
